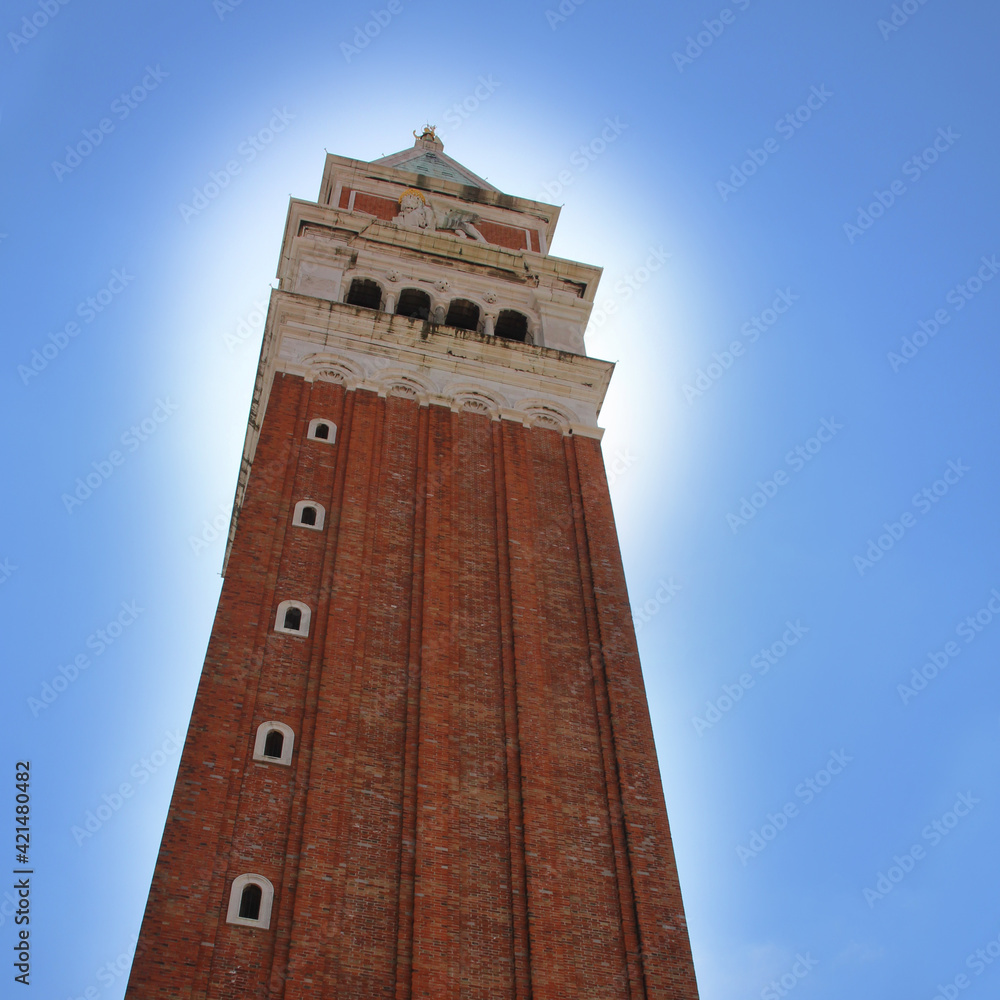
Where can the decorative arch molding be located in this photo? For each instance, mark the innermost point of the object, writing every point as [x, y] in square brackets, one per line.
[543, 413]
[337, 375]
[399, 382]
[475, 400]
[403, 388]
[334, 368]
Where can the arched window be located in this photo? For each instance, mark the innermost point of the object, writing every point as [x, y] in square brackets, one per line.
[366, 293]
[274, 743]
[413, 303]
[322, 430]
[309, 514]
[292, 618]
[250, 899]
[462, 314]
[511, 325]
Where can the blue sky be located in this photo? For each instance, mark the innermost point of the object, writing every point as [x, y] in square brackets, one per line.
[814, 184]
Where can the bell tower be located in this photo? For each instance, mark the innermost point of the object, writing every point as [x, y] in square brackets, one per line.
[420, 762]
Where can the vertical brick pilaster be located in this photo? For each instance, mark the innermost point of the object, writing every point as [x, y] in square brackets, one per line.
[437, 885]
[404, 946]
[485, 897]
[666, 952]
[512, 744]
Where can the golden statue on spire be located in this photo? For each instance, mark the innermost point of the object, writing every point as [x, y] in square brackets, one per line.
[430, 132]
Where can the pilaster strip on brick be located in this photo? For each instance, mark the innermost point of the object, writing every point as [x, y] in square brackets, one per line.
[321, 853]
[605, 725]
[515, 805]
[404, 947]
[583, 855]
[435, 922]
[485, 901]
[666, 950]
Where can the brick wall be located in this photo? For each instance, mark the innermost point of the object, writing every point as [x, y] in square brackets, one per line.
[474, 806]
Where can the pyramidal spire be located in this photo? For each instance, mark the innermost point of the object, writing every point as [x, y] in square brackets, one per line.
[427, 157]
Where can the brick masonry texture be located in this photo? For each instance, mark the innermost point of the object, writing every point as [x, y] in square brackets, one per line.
[474, 806]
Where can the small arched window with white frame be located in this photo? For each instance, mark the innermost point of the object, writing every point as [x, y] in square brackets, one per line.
[274, 743]
[309, 514]
[321, 429]
[292, 618]
[250, 900]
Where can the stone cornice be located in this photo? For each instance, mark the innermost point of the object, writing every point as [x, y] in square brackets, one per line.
[366, 349]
